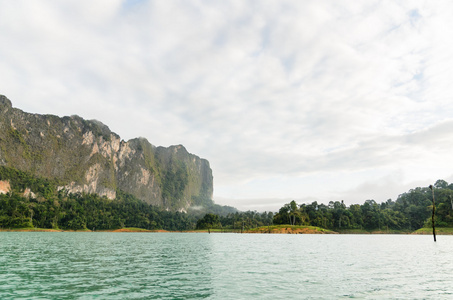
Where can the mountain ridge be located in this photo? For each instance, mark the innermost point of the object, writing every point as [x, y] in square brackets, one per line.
[85, 156]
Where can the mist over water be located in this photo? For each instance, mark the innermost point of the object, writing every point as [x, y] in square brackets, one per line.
[35, 265]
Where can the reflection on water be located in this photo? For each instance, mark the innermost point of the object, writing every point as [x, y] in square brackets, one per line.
[223, 266]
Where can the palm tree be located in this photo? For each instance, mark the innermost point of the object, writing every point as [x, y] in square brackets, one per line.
[293, 210]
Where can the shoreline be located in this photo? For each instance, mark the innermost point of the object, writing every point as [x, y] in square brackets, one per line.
[281, 229]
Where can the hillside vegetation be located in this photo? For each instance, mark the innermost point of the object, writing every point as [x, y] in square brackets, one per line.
[53, 208]
[84, 156]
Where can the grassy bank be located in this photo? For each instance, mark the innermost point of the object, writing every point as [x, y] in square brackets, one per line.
[28, 229]
[439, 230]
[290, 229]
[132, 229]
[274, 229]
[363, 231]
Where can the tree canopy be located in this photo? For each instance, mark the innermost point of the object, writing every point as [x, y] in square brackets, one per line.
[49, 207]
[410, 211]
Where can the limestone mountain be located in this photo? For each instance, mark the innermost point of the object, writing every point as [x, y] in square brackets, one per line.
[86, 157]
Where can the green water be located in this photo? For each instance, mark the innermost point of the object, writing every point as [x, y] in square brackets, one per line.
[36, 265]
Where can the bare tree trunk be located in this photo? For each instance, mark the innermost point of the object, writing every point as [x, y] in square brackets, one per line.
[432, 217]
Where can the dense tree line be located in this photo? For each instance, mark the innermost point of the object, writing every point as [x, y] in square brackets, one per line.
[87, 211]
[411, 211]
[58, 209]
[209, 221]
[52, 208]
[236, 221]
[246, 220]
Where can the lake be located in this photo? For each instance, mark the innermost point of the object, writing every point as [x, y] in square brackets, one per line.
[65, 265]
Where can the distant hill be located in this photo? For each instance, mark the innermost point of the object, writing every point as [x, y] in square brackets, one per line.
[86, 157]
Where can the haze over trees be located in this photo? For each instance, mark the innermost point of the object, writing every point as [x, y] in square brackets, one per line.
[48, 207]
[37, 202]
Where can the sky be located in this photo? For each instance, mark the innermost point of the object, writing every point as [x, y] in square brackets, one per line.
[288, 100]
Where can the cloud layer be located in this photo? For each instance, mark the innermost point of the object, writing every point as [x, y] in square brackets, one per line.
[302, 100]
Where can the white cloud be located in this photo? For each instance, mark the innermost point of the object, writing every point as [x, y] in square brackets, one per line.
[277, 95]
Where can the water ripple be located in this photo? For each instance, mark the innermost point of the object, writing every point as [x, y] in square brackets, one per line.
[223, 266]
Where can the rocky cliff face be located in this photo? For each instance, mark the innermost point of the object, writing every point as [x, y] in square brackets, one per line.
[85, 156]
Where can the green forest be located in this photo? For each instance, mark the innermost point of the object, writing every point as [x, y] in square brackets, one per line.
[58, 209]
[55, 209]
[411, 210]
